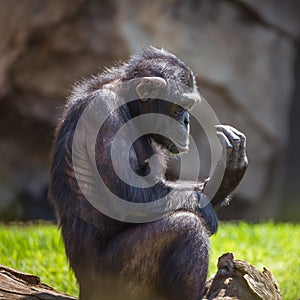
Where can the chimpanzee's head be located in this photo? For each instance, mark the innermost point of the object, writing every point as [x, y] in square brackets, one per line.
[166, 86]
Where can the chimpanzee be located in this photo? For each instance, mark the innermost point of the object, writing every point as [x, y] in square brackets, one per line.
[166, 258]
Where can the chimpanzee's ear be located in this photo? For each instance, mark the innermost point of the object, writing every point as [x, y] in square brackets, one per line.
[151, 87]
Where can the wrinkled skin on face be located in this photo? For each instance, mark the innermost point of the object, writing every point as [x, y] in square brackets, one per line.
[174, 136]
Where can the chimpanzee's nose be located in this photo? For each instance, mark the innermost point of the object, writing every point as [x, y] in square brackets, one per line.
[186, 118]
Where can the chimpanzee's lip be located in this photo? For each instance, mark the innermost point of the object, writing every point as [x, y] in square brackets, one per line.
[178, 148]
[182, 148]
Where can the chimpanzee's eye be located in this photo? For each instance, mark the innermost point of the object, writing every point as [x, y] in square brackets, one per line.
[176, 110]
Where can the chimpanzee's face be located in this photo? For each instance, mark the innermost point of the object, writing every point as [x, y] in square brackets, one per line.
[178, 132]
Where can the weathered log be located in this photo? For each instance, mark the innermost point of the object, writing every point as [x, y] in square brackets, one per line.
[15, 285]
[237, 279]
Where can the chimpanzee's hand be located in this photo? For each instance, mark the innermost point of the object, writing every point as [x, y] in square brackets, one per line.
[235, 160]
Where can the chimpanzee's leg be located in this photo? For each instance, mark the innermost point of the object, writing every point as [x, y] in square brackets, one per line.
[167, 256]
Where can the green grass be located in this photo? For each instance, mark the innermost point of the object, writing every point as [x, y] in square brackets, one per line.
[38, 249]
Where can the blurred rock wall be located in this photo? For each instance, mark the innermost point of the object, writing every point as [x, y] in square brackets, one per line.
[242, 50]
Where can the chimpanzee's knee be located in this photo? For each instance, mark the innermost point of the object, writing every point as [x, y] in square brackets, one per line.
[185, 263]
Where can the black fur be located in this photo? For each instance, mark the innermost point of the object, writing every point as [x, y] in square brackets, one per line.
[167, 258]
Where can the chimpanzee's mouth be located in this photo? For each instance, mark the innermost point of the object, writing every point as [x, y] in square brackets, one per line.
[176, 148]
[172, 147]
